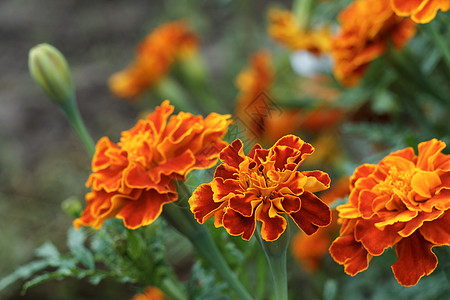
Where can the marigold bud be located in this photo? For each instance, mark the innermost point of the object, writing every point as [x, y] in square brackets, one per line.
[72, 206]
[50, 70]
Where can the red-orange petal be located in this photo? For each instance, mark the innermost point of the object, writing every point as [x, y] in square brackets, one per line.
[415, 259]
[348, 252]
[374, 240]
[244, 203]
[202, 204]
[312, 214]
[437, 231]
[233, 154]
[145, 210]
[271, 228]
[236, 224]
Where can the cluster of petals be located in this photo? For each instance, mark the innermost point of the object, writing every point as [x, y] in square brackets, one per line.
[404, 201]
[420, 11]
[263, 186]
[134, 178]
[285, 29]
[310, 250]
[154, 58]
[151, 293]
[367, 28]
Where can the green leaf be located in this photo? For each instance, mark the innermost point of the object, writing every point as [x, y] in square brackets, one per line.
[44, 277]
[23, 272]
[75, 242]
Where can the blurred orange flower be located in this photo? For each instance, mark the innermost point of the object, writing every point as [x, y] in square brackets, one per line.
[420, 11]
[263, 186]
[285, 29]
[404, 201]
[310, 249]
[254, 84]
[151, 293]
[366, 28]
[155, 55]
[133, 179]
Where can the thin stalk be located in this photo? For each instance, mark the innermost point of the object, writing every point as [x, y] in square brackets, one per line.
[276, 256]
[182, 220]
[73, 115]
[172, 289]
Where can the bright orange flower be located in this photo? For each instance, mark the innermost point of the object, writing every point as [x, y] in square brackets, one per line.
[155, 55]
[366, 28]
[151, 293]
[310, 249]
[285, 28]
[263, 186]
[404, 201]
[133, 179]
[420, 11]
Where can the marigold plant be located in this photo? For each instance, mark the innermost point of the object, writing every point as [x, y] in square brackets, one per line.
[154, 57]
[285, 29]
[263, 186]
[404, 201]
[366, 29]
[420, 11]
[134, 178]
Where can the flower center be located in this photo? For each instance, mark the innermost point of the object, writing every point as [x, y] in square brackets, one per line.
[397, 182]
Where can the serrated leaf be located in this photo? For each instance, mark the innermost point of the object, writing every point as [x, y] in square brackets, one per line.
[75, 242]
[44, 277]
[48, 251]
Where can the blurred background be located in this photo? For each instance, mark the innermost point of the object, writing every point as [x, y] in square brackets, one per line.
[42, 161]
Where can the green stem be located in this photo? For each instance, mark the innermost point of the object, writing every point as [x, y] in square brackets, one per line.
[439, 41]
[72, 113]
[170, 89]
[276, 256]
[172, 289]
[303, 10]
[182, 220]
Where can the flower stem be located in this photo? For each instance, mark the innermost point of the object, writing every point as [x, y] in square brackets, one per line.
[182, 220]
[73, 115]
[276, 256]
[172, 289]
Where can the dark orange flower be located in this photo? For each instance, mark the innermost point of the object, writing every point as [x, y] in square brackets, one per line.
[285, 29]
[310, 249]
[404, 201]
[420, 11]
[155, 55]
[133, 179]
[263, 186]
[366, 28]
[151, 293]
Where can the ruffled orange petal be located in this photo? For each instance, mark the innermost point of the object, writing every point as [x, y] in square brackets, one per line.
[375, 241]
[429, 11]
[144, 211]
[272, 226]
[233, 154]
[236, 224]
[407, 7]
[245, 203]
[438, 230]
[201, 203]
[415, 259]
[348, 252]
[313, 213]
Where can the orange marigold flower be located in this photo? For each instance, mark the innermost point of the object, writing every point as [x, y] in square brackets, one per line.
[310, 249]
[263, 186]
[420, 11]
[133, 179]
[285, 28]
[404, 201]
[151, 293]
[366, 28]
[155, 55]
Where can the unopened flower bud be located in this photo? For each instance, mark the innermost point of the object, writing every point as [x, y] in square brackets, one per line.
[50, 70]
[72, 207]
